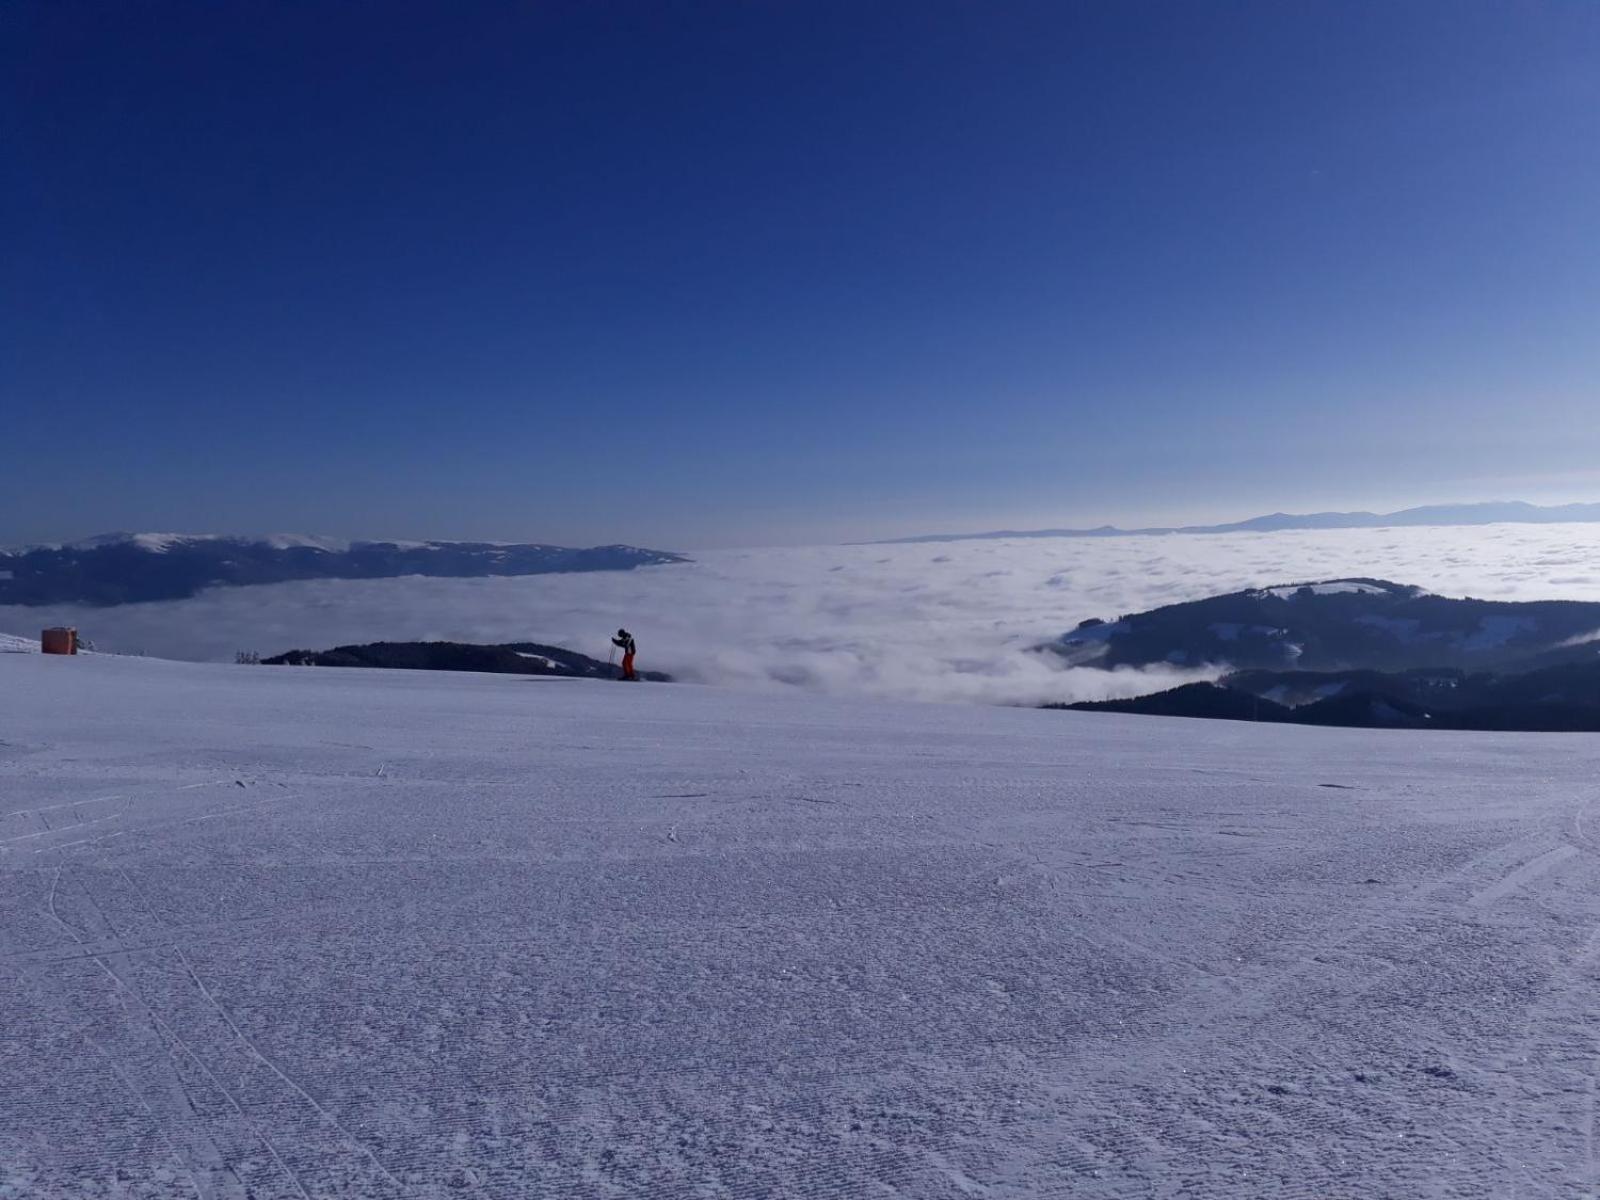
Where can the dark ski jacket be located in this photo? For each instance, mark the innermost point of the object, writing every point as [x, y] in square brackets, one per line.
[625, 641]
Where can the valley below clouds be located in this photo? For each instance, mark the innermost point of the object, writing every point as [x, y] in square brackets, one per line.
[947, 621]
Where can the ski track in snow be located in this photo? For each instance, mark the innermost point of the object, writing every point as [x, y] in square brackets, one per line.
[297, 933]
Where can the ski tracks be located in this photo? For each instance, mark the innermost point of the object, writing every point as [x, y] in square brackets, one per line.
[1325, 1017]
[117, 815]
[139, 1051]
[212, 1090]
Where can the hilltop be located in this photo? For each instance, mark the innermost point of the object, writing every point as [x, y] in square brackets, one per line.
[1338, 625]
[511, 658]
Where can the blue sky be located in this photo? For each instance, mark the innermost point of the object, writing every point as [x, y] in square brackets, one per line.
[701, 274]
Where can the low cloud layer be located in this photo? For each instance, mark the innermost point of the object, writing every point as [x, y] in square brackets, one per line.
[940, 622]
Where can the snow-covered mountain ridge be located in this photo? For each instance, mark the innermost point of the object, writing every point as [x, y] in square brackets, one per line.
[120, 568]
[1492, 512]
[160, 543]
[1341, 625]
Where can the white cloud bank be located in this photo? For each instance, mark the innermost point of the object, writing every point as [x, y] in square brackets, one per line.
[932, 621]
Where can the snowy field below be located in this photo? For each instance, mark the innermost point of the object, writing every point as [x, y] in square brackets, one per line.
[277, 932]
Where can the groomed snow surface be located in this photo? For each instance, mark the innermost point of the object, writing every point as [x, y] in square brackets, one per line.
[281, 932]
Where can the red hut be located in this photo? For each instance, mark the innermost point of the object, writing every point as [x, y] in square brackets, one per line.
[59, 641]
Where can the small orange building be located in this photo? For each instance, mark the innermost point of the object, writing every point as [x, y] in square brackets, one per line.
[59, 641]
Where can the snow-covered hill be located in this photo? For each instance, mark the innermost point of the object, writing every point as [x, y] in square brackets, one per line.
[1342, 624]
[120, 568]
[300, 932]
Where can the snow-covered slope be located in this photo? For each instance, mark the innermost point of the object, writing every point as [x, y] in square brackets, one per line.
[304, 932]
[1339, 624]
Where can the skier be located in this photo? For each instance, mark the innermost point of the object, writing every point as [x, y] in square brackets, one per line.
[624, 639]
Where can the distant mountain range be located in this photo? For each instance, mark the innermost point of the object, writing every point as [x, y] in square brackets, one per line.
[124, 568]
[1490, 513]
[512, 658]
[1361, 652]
[1340, 625]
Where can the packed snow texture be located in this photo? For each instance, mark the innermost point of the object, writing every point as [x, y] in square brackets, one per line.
[286, 932]
[948, 622]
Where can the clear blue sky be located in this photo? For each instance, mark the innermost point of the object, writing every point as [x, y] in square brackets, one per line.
[693, 274]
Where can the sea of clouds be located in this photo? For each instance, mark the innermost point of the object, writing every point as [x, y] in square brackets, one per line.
[930, 621]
